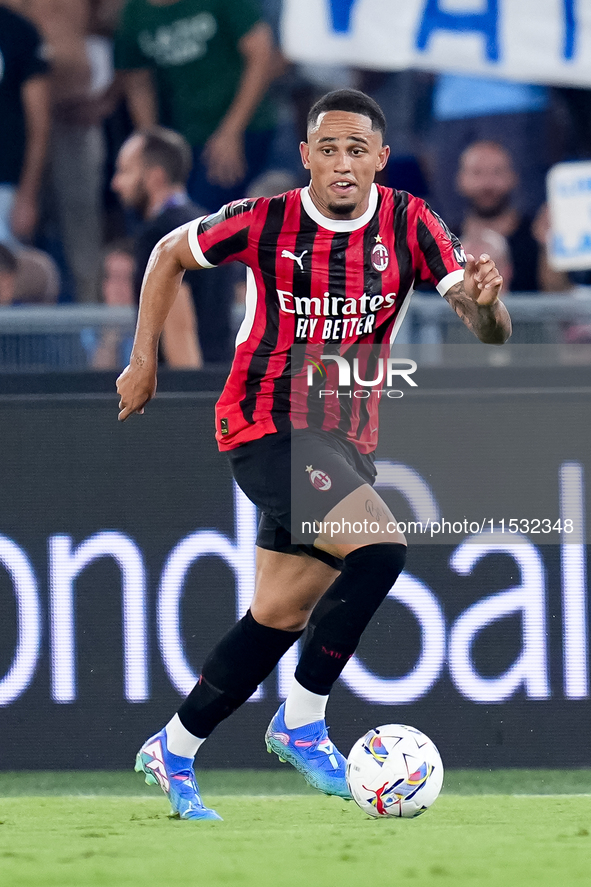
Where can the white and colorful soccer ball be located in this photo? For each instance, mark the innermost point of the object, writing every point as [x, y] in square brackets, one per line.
[394, 770]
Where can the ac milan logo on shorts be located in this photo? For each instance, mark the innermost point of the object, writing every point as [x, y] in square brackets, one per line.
[380, 257]
[320, 480]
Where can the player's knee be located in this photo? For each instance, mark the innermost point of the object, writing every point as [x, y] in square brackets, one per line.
[282, 621]
[385, 560]
[368, 575]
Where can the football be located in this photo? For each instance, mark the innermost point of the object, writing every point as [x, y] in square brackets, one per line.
[394, 770]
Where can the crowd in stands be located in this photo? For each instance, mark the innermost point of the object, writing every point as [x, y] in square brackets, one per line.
[123, 119]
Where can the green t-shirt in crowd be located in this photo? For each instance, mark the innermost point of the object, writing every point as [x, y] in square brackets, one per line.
[192, 47]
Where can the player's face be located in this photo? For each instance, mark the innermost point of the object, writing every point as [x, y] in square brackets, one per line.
[343, 154]
[486, 179]
[128, 181]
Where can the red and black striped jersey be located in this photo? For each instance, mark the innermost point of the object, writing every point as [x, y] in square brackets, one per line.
[327, 285]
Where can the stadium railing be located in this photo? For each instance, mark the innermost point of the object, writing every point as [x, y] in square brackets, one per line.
[537, 318]
[66, 337]
[60, 337]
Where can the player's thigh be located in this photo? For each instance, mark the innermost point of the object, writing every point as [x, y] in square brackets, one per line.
[334, 499]
[288, 587]
[360, 518]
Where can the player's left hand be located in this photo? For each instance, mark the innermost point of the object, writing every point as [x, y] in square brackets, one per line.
[482, 281]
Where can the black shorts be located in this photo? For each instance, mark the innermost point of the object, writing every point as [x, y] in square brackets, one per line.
[295, 478]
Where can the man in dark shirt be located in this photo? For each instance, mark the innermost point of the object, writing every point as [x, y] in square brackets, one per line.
[24, 112]
[487, 180]
[152, 169]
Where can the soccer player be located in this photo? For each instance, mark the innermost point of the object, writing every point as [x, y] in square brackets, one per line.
[330, 270]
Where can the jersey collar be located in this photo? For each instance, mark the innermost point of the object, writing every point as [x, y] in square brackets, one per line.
[340, 224]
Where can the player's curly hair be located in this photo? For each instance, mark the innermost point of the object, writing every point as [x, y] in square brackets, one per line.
[352, 100]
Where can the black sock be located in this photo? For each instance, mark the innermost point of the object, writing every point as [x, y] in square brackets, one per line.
[244, 657]
[341, 616]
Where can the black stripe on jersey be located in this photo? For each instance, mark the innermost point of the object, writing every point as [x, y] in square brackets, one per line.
[430, 249]
[301, 287]
[228, 211]
[346, 403]
[337, 282]
[455, 240]
[267, 259]
[402, 249]
[368, 370]
[231, 246]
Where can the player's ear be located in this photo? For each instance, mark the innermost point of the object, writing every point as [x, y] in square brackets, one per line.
[383, 155]
[305, 153]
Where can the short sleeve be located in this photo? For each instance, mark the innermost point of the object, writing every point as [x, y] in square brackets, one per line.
[223, 236]
[128, 55]
[441, 257]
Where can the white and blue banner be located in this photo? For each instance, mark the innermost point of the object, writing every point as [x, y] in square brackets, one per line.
[569, 201]
[536, 41]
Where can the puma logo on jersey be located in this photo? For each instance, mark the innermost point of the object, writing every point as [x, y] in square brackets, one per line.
[286, 254]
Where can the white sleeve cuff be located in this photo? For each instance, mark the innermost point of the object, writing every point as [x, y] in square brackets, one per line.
[450, 280]
[195, 247]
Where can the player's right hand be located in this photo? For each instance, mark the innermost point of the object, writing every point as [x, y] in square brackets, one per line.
[136, 386]
[482, 281]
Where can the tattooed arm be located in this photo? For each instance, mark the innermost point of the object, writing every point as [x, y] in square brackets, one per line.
[476, 301]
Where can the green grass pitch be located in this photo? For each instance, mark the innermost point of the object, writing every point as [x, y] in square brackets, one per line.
[505, 828]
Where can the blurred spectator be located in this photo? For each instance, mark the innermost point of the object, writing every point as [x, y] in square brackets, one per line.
[272, 182]
[38, 279]
[152, 168]
[8, 271]
[202, 68]
[24, 112]
[113, 349]
[487, 181]
[104, 16]
[468, 109]
[81, 74]
[118, 278]
[27, 276]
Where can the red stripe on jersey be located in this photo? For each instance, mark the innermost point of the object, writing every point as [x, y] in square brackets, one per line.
[230, 415]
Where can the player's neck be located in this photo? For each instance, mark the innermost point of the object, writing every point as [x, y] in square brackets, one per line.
[324, 209]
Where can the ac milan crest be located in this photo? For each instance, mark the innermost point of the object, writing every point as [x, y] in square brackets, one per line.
[320, 480]
[380, 257]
